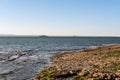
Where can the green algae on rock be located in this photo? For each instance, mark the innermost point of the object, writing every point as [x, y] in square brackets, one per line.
[101, 63]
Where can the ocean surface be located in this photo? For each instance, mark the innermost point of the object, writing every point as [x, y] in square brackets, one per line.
[22, 57]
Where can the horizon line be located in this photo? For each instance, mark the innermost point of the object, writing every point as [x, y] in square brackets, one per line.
[14, 35]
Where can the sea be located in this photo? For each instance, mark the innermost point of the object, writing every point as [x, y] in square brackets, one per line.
[21, 58]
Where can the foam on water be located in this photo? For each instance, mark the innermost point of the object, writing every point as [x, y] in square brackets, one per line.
[19, 63]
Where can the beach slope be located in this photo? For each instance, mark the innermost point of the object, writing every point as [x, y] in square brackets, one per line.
[101, 63]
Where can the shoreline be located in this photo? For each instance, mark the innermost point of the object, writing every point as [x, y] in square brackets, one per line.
[84, 64]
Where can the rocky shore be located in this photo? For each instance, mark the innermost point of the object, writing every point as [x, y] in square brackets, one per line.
[101, 63]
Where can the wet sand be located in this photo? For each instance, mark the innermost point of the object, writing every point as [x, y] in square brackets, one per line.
[91, 64]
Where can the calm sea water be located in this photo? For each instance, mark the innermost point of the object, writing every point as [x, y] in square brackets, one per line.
[22, 57]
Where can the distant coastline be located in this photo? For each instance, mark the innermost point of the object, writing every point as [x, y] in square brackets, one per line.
[12, 35]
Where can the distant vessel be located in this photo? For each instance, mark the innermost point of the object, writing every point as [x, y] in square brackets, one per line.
[43, 36]
[74, 36]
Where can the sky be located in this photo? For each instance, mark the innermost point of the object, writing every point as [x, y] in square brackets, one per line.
[60, 17]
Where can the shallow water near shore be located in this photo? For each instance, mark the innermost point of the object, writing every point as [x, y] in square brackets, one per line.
[22, 57]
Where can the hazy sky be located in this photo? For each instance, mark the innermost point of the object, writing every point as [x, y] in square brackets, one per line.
[60, 17]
